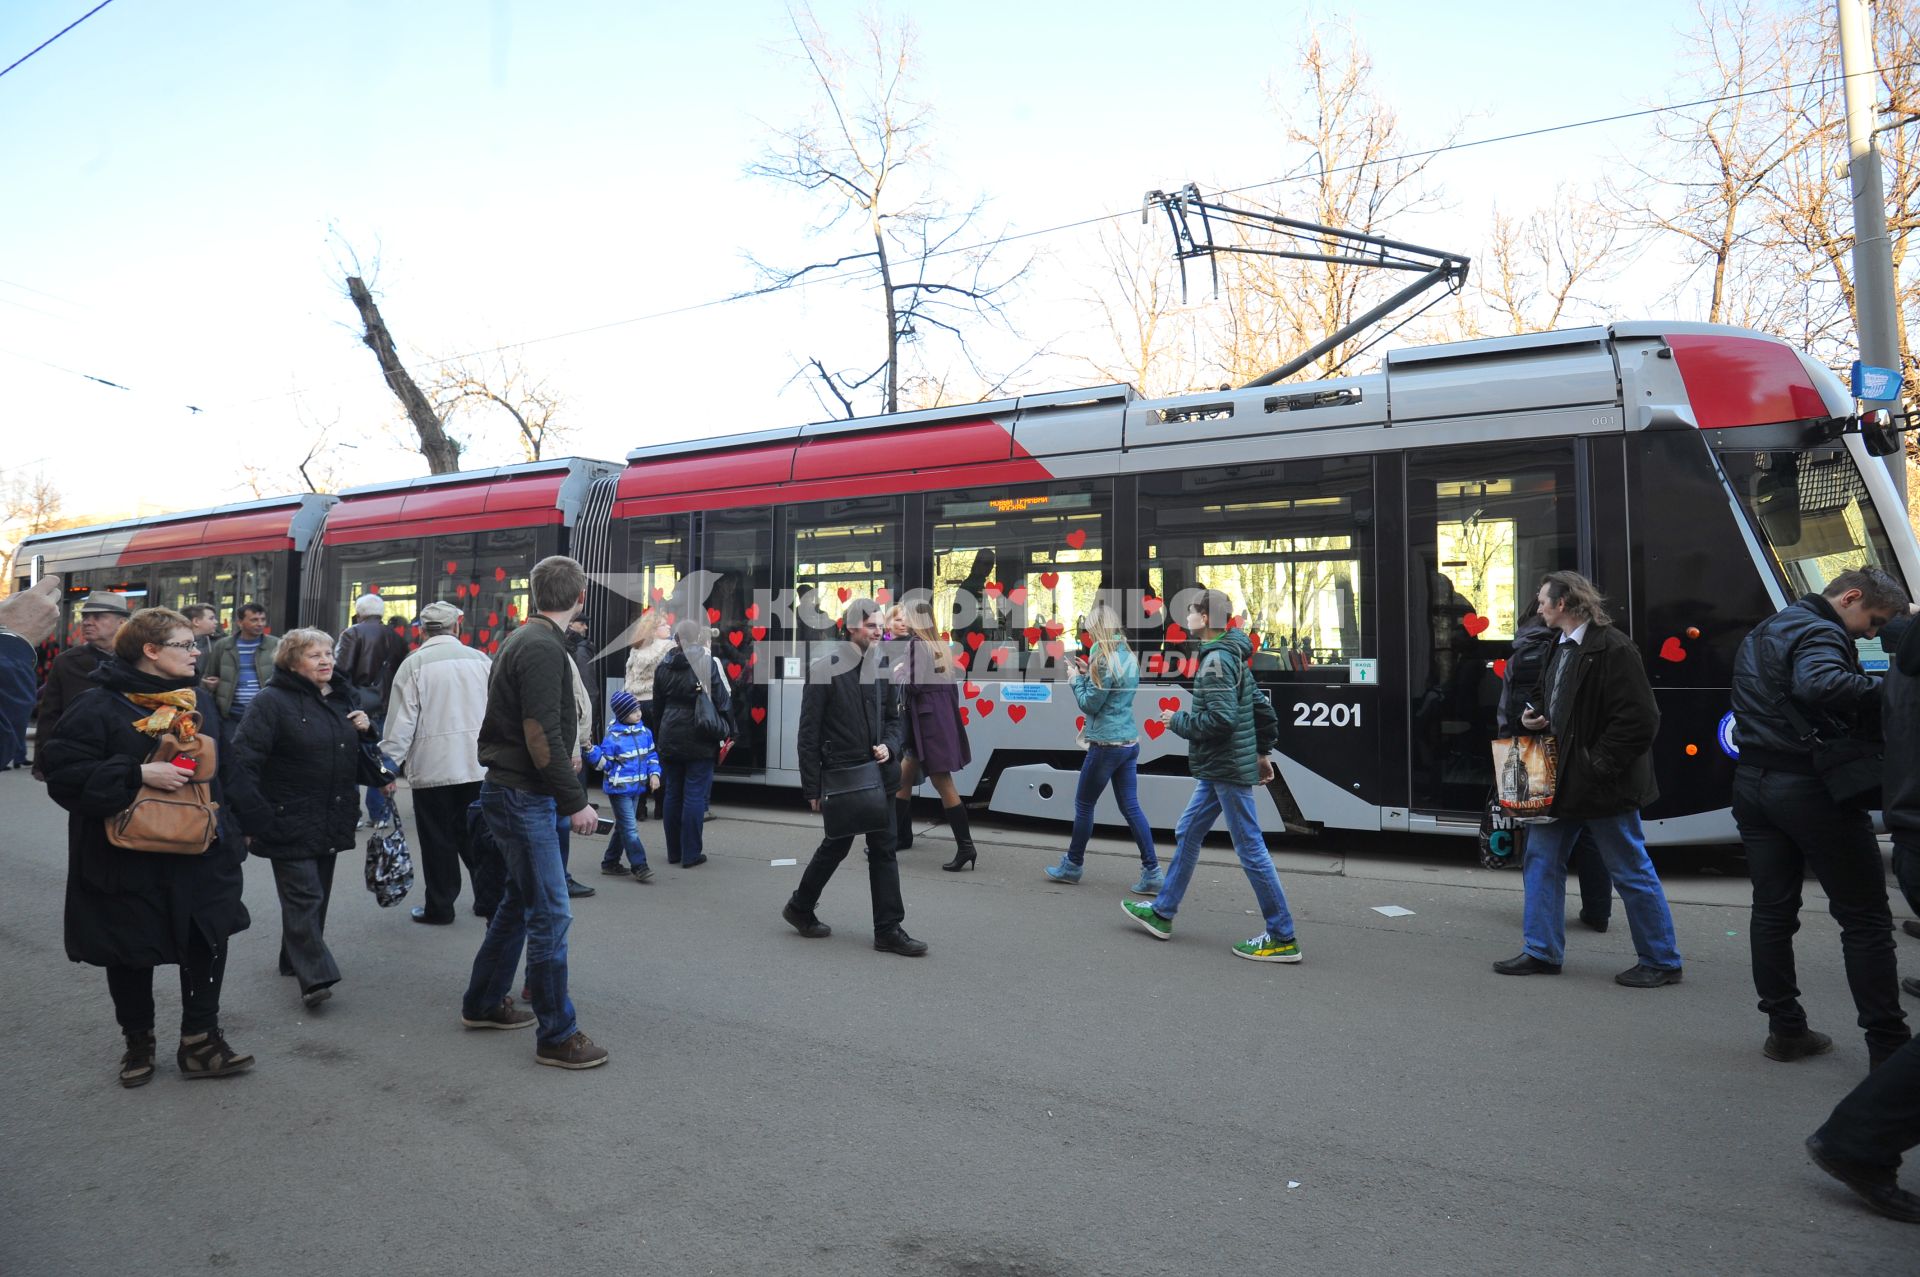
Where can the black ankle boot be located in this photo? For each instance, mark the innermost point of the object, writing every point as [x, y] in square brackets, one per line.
[136, 1066]
[963, 855]
[902, 824]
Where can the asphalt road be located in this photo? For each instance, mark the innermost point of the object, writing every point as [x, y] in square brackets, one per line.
[1049, 1092]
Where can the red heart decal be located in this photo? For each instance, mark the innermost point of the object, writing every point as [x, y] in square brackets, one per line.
[1175, 634]
[493, 618]
[970, 689]
[1017, 595]
[883, 595]
[1500, 668]
[734, 670]
[499, 574]
[1032, 634]
[1151, 606]
[658, 594]
[1255, 640]
[960, 659]
[999, 654]
[753, 611]
[713, 616]
[1169, 702]
[1016, 712]
[1077, 538]
[1153, 662]
[1474, 625]
[1153, 727]
[1233, 622]
[1671, 650]
[984, 705]
[1055, 629]
[751, 659]
[452, 567]
[513, 610]
[485, 634]
[1080, 723]
[735, 637]
[1056, 650]
[974, 640]
[965, 718]
[493, 647]
[759, 632]
[459, 591]
[758, 713]
[992, 589]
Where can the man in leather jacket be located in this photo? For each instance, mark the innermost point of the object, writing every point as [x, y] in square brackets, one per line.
[1799, 670]
[1594, 697]
[849, 714]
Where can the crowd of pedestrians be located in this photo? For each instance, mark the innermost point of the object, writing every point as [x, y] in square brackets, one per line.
[494, 752]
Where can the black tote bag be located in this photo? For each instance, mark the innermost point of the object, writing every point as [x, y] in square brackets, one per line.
[854, 800]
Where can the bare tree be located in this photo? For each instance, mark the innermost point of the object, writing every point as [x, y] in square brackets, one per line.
[1355, 178]
[441, 452]
[865, 153]
[1136, 296]
[29, 504]
[499, 384]
[1537, 269]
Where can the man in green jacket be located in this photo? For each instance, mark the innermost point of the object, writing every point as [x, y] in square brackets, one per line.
[241, 663]
[1229, 729]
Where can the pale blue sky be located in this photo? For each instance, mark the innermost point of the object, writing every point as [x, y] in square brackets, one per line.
[171, 169]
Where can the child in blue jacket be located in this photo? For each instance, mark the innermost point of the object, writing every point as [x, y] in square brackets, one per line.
[630, 768]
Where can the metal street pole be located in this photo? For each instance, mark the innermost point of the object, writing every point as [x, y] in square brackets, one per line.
[1874, 315]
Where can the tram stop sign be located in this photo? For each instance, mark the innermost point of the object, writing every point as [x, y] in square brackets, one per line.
[1871, 383]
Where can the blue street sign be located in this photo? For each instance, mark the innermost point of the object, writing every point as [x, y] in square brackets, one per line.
[1875, 383]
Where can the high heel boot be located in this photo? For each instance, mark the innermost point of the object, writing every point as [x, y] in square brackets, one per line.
[964, 855]
[902, 824]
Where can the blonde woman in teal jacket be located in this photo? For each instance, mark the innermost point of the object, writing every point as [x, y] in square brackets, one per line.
[1103, 685]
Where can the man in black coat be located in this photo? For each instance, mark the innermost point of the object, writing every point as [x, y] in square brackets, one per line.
[369, 654]
[27, 619]
[101, 616]
[1599, 707]
[1900, 715]
[1798, 682]
[850, 715]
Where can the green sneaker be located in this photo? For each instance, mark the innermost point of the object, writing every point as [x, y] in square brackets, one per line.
[1142, 912]
[1264, 948]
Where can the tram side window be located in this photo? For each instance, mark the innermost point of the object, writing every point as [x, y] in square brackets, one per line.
[1290, 544]
[390, 569]
[247, 578]
[486, 576]
[657, 559]
[173, 585]
[1019, 566]
[841, 550]
[737, 556]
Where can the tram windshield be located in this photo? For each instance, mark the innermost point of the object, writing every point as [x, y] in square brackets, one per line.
[1814, 513]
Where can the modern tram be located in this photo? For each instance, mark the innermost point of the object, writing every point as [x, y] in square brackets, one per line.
[1380, 537]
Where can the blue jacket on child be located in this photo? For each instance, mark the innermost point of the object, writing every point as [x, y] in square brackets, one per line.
[626, 758]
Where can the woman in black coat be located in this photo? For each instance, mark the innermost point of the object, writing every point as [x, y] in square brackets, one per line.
[132, 911]
[687, 755]
[300, 749]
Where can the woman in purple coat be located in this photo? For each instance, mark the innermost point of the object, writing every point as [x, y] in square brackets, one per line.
[934, 730]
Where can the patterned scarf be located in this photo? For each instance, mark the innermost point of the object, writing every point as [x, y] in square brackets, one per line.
[172, 712]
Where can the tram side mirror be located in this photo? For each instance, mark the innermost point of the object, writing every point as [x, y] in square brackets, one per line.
[1878, 434]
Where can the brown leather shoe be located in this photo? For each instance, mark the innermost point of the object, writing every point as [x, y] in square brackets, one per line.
[577, 1052]
[504, 1016]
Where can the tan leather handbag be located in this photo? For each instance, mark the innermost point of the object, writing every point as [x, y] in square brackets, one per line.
[180, 822]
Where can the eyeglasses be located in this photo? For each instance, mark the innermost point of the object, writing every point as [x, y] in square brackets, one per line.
[185, 645]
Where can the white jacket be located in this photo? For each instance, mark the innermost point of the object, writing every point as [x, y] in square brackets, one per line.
[433, 720]
[641, 663]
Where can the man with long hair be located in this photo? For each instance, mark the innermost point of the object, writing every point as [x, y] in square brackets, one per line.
[1594, 697]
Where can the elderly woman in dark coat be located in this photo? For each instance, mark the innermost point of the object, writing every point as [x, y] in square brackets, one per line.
[132, 911]
[937, 739]
[300, 747]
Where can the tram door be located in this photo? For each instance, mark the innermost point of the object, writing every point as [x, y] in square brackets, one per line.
[1483, 524]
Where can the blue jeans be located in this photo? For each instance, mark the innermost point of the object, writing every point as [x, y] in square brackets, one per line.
[533, 914]
[1102, 764]
[687, 784]
[626, 831]
[1624, 852]
[1210, 798]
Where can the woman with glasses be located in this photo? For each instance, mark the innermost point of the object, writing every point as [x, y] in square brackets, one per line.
[132, 911]
[302, 747]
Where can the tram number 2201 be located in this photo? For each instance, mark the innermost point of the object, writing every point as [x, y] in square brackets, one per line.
[1325, 714]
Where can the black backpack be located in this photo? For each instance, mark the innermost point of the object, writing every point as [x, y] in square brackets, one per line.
[1532, 649]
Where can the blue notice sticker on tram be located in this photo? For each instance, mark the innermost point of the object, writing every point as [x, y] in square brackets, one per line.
[1029, 692]
[1725, 736]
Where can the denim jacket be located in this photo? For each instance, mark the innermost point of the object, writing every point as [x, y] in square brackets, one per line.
[626, 757]
[1109, 709]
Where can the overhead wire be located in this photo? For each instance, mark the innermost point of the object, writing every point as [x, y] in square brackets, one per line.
[56, 35]
[1012, 237]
